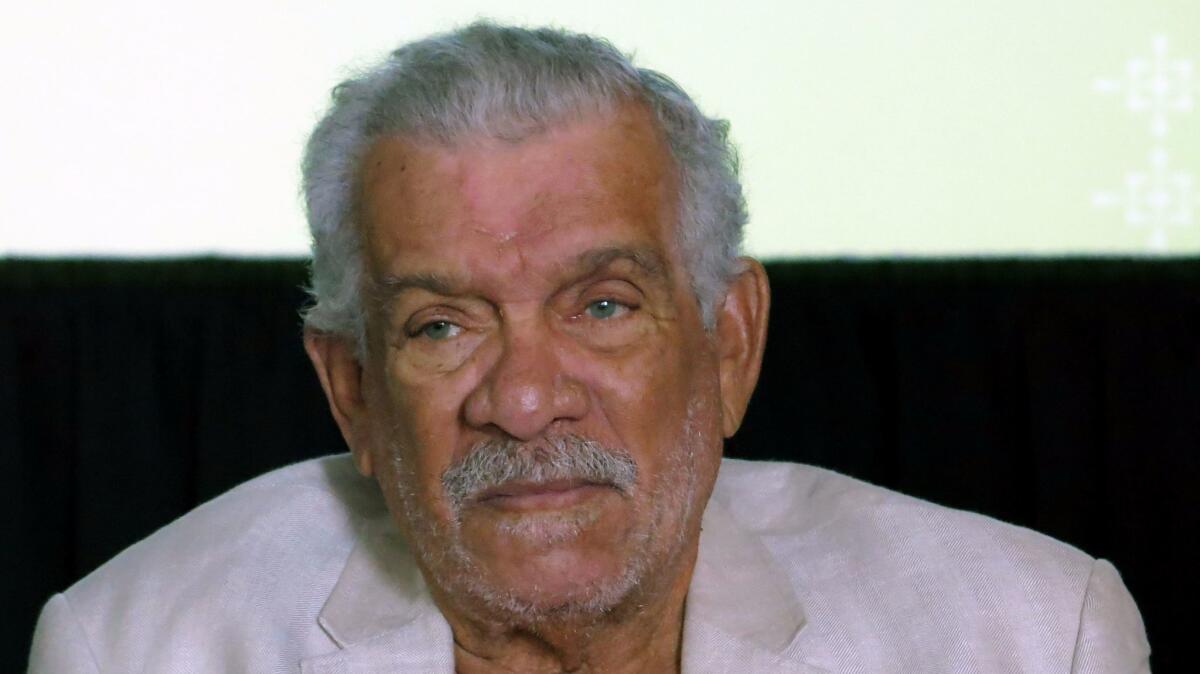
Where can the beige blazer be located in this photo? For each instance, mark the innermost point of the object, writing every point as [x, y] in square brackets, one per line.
[800, 570]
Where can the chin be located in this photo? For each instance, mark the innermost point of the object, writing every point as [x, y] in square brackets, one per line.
[552, 567]
[582, 594]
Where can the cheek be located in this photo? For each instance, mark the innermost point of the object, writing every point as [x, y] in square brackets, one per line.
[645, 395]
[423, 430]
[430, 403]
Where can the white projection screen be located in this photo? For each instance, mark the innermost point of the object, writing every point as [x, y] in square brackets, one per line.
[866, 127]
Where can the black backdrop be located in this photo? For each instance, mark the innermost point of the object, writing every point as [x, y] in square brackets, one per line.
[1063, 395]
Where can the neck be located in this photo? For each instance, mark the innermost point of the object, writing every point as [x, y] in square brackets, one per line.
[643, 634]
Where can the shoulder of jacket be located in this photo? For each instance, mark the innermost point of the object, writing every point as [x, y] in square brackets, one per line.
[780, 499]
[869, 561]
[279, 526]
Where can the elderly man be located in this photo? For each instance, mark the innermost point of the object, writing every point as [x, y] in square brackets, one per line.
[534, 332]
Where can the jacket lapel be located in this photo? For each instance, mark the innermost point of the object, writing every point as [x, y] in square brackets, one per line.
[742, 612]
[380, 612]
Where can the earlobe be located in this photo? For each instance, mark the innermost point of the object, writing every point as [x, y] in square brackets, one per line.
[341, 378]
[742, 336]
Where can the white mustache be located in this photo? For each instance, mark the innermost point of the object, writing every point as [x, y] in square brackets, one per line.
[493, 463]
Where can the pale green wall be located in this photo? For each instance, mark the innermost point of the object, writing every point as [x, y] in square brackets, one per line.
[956, 128]
[867, 127]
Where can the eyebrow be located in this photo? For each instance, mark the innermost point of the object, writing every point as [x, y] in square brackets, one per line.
[645, 258]
[394, 284]
[649, 261]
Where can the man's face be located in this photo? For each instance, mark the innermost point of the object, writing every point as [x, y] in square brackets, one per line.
[543, 395]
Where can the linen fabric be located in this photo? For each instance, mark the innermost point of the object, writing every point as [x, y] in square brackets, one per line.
[800, 570]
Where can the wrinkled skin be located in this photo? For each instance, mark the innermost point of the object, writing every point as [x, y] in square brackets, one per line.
[531, 290]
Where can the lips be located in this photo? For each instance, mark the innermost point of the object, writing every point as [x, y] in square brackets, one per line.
[528, 496]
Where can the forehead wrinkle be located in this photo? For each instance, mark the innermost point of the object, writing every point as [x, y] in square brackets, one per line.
[546, 213]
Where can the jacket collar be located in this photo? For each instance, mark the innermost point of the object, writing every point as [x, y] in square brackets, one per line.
[380, 612]
[742, 612]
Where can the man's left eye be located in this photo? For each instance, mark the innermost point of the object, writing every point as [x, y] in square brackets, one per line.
[439, 330]
[605, 308]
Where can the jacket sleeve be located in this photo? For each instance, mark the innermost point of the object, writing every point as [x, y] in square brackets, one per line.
[1111, 635]
[59, 643]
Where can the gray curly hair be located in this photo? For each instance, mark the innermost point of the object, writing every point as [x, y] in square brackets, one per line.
[506, 82]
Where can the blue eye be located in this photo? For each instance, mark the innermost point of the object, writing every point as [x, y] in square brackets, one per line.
[439, 330]
[604, 308]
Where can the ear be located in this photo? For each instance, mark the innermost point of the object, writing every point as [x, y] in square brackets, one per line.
[341, 377]
[741, 333]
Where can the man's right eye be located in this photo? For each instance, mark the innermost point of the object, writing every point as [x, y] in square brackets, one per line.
[438, 330]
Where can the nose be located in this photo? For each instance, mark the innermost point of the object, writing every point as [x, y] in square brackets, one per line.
[528, 388]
